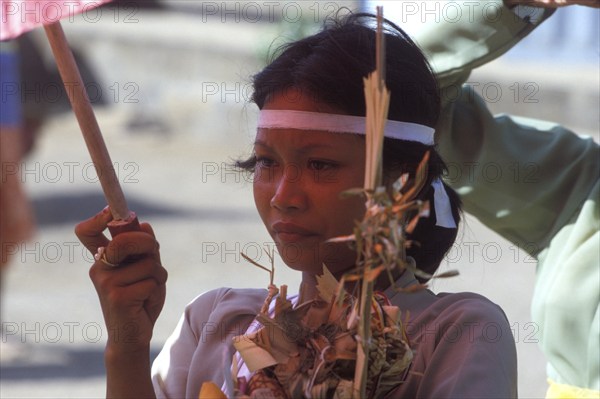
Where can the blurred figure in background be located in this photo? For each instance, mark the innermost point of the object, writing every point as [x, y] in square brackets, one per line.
[16, 215]
[555, 217]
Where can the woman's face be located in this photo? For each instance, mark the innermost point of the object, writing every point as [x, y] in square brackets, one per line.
[298, 180]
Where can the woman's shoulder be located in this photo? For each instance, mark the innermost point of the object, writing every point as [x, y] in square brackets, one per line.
[228, 294]
[424, 306]
[201, 338]
[464, 313]
[469, 304]
[469, 340]
[467, 337]
[226, 302]
[454, 317]
[219, 314]
[464, 308]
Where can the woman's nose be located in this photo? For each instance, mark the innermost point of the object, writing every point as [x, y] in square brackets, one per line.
[289, 192]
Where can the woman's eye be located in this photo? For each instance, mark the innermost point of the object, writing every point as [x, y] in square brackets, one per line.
[321, 165]
[264, 162]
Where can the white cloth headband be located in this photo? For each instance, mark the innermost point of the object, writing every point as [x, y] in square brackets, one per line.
[441, 203]
[304, 120]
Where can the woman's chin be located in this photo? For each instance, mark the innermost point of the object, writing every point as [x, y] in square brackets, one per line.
[303, 265]
[338, 258]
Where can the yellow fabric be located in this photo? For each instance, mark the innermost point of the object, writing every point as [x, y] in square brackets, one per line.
[563, 391]
[210, 390]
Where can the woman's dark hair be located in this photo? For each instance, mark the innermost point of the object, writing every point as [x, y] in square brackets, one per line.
[329, 67]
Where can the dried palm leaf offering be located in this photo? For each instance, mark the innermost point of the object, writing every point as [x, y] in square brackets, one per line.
[309, 350]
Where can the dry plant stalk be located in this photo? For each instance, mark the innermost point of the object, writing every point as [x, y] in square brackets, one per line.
[377, 100]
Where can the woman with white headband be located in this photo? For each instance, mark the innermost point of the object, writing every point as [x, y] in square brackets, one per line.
[309, 148]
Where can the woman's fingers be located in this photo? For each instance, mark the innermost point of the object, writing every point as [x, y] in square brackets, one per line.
[90, 231]
[135, 257]
[145, 227]
[132, 245]
[144, 269]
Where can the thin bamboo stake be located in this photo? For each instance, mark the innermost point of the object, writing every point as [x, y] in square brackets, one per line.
[377, 103]
[87, 122]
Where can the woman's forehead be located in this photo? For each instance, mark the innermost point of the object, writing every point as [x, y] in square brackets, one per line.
[308, 139]
[299, 100]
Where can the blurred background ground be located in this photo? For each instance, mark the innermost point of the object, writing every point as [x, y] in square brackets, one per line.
[171, 87]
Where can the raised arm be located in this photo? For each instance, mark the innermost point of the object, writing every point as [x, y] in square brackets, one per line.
[130, 282]
[523, 178]
[486, 30]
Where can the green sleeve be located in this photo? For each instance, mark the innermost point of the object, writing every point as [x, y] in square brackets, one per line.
[523, 178]
[485, 30]
[533, 182]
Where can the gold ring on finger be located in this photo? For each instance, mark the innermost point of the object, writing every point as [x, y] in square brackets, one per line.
[101, 256]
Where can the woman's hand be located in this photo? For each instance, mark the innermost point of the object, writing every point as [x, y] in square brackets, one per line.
[552, 3]
[130, 282]
[129, 279]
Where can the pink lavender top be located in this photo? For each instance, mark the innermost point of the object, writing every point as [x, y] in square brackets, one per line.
[463, 344]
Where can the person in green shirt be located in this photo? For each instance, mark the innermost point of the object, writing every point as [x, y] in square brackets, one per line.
[555, 216]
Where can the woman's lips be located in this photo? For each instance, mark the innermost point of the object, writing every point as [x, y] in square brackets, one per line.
[288, 232]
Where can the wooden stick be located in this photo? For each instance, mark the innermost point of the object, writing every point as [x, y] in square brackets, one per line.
[377, 104]
[87, 122]
[380, 48]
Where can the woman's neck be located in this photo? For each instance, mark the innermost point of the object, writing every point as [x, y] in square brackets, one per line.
[308, 289]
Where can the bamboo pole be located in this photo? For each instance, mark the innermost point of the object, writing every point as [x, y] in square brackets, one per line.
[87, 122]
[377, 103]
